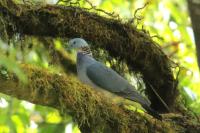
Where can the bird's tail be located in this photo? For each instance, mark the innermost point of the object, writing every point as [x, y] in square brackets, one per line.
[133, 95]
[152, 112]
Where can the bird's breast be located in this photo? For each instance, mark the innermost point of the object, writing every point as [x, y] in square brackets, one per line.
[83, 61]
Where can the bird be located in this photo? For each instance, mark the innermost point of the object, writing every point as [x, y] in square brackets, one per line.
[101, 77]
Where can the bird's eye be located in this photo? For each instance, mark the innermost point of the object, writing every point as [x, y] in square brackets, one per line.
[74, 42]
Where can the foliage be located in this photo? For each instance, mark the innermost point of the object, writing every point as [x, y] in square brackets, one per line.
[161, 19]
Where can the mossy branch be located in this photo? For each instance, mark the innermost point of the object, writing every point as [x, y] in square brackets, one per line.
[122, 41]
[92, 111]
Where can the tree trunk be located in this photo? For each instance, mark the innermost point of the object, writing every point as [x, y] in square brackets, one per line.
[194, 8]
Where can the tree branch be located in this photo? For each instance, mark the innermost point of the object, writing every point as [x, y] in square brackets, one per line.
[122, 41]
[91, 110]
[68, 95]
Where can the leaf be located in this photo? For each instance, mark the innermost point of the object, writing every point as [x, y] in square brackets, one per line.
[12, 66]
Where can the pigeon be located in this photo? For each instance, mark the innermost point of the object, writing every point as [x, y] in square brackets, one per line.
[101, 77]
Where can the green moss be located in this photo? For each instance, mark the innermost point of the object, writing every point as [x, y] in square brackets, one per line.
[92, 111]
[122, 40]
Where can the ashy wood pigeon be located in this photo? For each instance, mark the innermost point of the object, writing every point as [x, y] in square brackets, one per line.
[99, 76]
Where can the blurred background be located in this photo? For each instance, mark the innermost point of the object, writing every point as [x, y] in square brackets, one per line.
[168, 23]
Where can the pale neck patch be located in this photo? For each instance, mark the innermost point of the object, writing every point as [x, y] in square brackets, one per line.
[85, 50]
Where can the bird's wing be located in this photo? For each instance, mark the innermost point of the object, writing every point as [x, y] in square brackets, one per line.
[109, 80]
[106, 78]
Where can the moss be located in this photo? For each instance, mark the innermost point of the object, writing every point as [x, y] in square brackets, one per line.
[122, 40]
[92, 111]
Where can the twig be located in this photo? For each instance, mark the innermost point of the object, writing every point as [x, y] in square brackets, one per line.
[135, 13]
[163, 102]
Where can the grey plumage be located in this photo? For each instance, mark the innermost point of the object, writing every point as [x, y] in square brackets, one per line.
[108, 79]
[99, 76]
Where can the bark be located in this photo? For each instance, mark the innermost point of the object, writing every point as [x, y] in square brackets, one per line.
[194, 8]
[92, 111]
[122, 41]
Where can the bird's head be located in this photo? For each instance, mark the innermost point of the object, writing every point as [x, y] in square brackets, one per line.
[80, 45]
[77, 43]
